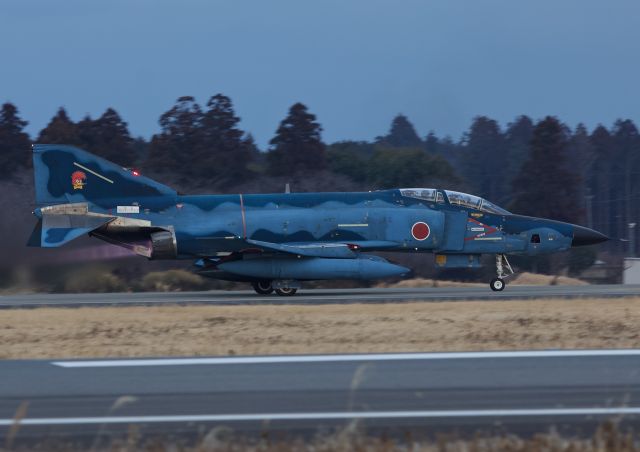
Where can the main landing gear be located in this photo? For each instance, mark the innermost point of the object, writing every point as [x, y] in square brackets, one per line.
[504, 270]
[286, 291]
[266, 288]
[262, 287]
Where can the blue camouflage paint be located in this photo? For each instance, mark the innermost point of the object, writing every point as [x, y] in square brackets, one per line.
[285, 226]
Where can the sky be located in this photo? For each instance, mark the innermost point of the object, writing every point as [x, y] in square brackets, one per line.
[355, 63]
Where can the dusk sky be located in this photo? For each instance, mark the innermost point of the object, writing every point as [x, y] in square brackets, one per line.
[355, 63]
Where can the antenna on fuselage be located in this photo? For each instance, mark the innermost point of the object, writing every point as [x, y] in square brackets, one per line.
[287, 188]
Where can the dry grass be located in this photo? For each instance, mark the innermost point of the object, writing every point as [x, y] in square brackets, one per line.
[224, 330]
[521, 279]
[424, 282]
[535, 279]
[606, 438]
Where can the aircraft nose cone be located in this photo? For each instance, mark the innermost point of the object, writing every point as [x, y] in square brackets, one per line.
[585, 236]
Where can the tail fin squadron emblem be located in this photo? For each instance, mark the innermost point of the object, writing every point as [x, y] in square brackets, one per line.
[78, 179]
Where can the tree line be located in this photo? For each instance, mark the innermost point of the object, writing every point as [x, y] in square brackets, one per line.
[539, 168]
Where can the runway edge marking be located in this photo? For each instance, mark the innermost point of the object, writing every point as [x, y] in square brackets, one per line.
[610, 411]
[284, 359]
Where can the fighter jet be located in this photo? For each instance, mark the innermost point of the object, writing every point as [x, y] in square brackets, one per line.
[275, 241]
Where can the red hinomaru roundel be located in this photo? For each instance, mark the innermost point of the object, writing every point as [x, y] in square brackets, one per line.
[420, 231]
[77, 180]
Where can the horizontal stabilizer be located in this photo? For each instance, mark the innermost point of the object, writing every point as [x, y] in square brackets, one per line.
[35, 239]
[60, 224]
[60, 229]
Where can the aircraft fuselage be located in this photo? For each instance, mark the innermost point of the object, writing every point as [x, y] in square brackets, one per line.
[281, 238]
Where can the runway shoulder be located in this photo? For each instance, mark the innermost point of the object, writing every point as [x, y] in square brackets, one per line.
[321, 296]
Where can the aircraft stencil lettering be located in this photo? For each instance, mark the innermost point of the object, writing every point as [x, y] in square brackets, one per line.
[274, 241]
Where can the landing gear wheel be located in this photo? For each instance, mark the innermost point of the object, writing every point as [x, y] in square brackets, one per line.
[497, 285]
[262, 287]
[504, 270]
[286, 291]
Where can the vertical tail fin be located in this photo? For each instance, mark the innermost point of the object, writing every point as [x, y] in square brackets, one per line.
[66, 174]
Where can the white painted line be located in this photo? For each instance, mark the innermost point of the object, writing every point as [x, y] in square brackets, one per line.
[92, 172]
[341, 358]
[325, 416]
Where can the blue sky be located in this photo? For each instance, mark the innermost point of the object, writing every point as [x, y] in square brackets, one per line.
[355, 63]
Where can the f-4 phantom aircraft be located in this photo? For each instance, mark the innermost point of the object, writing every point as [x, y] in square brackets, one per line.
[275, 241]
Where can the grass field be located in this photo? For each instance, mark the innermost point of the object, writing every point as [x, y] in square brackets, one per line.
[246, 330]
[608, 437]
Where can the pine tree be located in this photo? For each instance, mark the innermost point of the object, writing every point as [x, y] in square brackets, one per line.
[401, 134]
[174, 148]
[431, 143]
[109, 137]
[484, 163]
[451, 151]
[224, 153]
[15, 145]
[580, 158]
[600, 181]
[545, 186]
[517, 141]
[297, 146]
[60, 130]
[251, 145]
[115, 142]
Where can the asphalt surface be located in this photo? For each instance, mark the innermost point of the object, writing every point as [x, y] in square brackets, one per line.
[517, 392]
[321, 296]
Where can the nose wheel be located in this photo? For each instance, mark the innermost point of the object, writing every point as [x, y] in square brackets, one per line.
[497, 285]
[504, 270]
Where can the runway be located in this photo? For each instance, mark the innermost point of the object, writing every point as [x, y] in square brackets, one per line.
[520, 392]
[321, 296]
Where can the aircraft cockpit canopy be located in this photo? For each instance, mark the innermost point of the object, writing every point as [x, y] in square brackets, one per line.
[455, 198]
[425, 194]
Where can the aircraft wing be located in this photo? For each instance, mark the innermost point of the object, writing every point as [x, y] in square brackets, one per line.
[335, 250]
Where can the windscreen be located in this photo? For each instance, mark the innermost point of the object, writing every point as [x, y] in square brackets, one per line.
[473, 202]
[492, 208]
[463, 199]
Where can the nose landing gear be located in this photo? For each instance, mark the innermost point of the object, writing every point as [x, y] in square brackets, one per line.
[504, 270]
